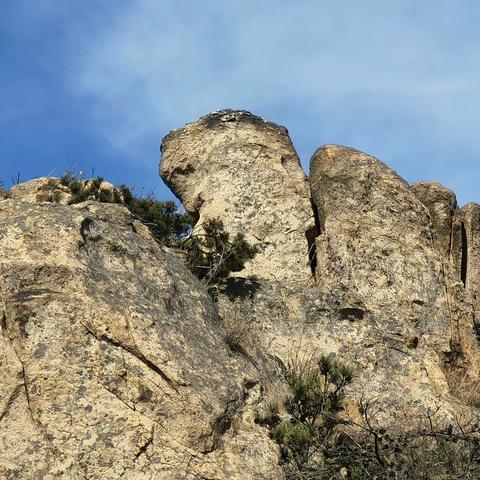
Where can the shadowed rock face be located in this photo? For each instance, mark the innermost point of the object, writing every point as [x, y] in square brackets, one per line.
[113, 360]
[244, 170]
[466, 247]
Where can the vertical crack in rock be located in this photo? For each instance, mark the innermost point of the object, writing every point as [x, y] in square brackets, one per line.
[311, 235]
[145, 446]
[10, 401]
[464, 256]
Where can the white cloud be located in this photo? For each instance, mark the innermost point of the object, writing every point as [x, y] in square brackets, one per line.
[159, 64]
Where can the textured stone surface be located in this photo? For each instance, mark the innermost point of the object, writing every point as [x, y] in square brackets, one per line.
[113, 358]
[385, 299]
[442, 204]
[44, 189]
[376, 236]
[244, 170]
[466, 246]
[116, 363]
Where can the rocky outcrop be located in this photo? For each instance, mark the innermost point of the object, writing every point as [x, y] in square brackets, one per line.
[376, 245]
[375, 236]
[66, 190]
[466, 246]
[442, 204]
[385, 301]
[114, 361]
[44, 189]
[465, 255]
[244, 170]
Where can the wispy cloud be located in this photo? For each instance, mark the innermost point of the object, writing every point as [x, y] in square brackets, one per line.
[397, 78]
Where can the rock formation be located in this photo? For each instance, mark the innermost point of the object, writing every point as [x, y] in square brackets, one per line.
[117, 363]
[44, 189]
[244, 170]
[442, 205]
[386, 298]
[113, 358]
[465, 255]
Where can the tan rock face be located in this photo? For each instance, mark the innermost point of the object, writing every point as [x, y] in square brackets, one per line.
[44, 189]
[113, 359]
[384, 301]
[244, 170]
[58, 190]
[375, 235]
[442, 204]
[116, 363]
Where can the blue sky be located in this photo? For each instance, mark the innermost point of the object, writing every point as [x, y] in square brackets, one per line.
[93, 85]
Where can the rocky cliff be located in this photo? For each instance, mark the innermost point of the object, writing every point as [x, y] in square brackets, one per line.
[117, 363]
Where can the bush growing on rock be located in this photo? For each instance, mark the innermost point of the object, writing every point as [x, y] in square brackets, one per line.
[317, 442]
[212, 255]
[166, 222]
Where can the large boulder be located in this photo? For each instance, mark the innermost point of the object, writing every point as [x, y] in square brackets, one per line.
[375, 235]
[114, 361]
[244, 170]
[383, 298]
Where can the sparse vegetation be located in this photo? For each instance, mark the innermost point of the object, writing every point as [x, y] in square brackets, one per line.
[212, 255]
[3, 192]
[166, 222]
[318, 442]
[93, 189]
[238, 325]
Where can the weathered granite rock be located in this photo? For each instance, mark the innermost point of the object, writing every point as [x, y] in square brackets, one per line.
[383, 300]
[244, 170]
[43, 189]
[376, 236]
[466, 248]
[114, 363]
[457, 241]
[442, 204]
[386, 301]
[66, 191]
[3, 194]
[466, 245]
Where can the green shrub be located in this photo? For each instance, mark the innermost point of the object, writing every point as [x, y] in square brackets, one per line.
[316, 399]
[164, 219]
[318, 443]
[166, 222]
[212, 255]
